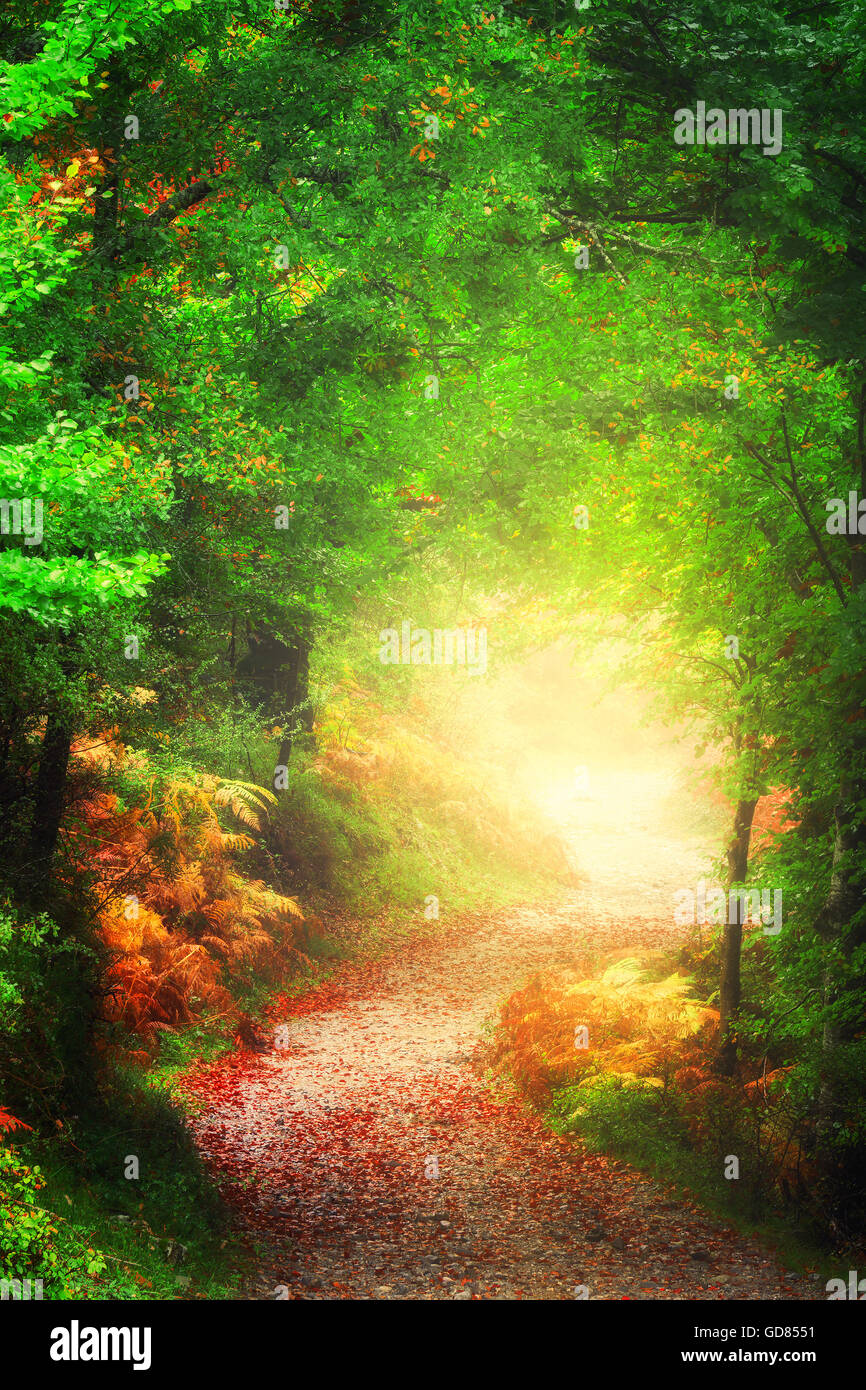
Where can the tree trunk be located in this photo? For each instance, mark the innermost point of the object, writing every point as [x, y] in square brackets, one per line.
[843, 903]
[49, 803]
[737, 855]
[300, 694]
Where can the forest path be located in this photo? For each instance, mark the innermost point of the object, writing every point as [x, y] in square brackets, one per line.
[321, 1147]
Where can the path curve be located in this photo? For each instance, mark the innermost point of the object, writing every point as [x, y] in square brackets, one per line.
[324, 1148]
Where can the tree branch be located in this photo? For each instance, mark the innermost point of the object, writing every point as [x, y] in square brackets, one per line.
[166, 212]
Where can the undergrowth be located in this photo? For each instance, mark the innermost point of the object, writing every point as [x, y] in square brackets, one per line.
[618, 1051]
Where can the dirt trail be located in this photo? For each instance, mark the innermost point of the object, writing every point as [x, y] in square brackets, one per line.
[325, 1147]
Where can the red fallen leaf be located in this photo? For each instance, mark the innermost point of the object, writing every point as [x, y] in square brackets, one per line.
[354, 1165]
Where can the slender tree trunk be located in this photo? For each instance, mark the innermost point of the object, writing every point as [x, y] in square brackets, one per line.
[303, 685]
[49, 803]
[737, 855]
[843, 903]
[300, 694]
